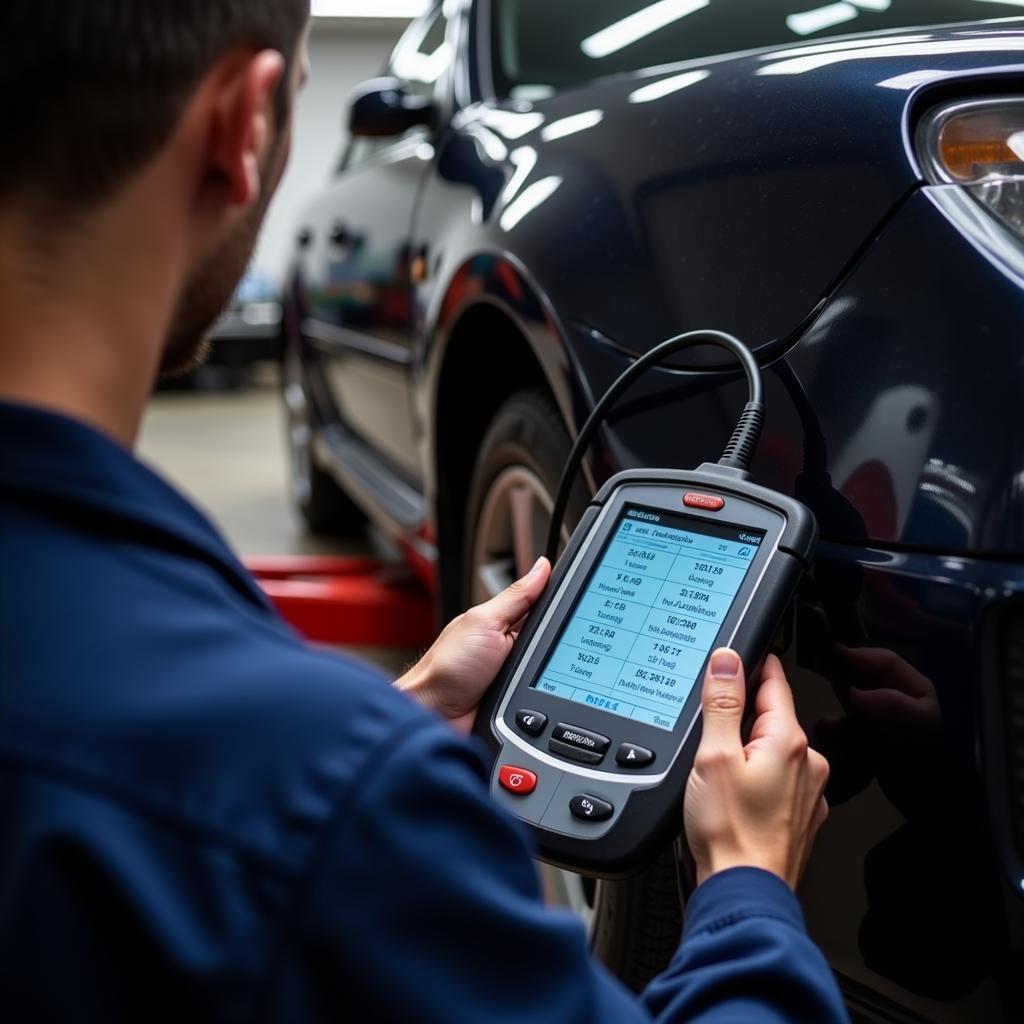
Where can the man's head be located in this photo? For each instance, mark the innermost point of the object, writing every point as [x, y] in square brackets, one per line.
[97, 92]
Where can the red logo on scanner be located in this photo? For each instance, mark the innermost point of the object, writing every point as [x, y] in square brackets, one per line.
[705, 501]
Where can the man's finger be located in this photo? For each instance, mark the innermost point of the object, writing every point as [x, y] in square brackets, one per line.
[774, 693]
[511, 605]
[775, 726]
[722, 701]
[820, 814]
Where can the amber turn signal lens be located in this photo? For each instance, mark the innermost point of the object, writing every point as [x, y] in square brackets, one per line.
[978, 145]
[981, 144]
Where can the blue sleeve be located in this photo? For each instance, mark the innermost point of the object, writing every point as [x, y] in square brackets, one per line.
[425, 905]
[746, 957]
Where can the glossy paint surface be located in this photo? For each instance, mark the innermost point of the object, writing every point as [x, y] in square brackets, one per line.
[356, 305]
[775, 195]
[907, 381]
[909, 890]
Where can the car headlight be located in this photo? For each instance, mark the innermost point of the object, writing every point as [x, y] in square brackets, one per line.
[979, 145]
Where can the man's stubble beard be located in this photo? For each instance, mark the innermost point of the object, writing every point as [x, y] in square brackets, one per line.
[210, 289]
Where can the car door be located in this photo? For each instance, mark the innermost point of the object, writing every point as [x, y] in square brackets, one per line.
[359, 310]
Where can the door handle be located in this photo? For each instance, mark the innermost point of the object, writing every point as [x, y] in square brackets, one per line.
[419, 269]
[340, 236]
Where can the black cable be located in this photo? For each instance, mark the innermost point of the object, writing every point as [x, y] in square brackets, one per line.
[738, 452]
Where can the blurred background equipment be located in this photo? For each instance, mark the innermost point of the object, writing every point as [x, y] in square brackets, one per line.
[250, 330]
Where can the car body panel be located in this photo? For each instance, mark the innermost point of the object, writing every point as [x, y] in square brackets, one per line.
[494, 280]
[659, 243]
[919, 915]
[921, 448]
[356, 290]
[744, 181]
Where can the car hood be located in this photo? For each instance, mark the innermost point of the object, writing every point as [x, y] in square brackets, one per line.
[735, 192]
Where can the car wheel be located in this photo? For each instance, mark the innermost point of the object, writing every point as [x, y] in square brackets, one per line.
[323, 505]
[634, 925]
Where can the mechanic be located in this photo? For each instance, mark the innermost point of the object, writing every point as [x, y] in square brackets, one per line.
[203, 819]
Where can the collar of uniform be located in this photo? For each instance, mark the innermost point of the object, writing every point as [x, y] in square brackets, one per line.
[50, 457]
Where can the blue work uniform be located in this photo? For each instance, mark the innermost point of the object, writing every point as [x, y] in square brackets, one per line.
[201, 819]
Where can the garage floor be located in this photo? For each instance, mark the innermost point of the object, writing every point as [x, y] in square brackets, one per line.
[226, 451]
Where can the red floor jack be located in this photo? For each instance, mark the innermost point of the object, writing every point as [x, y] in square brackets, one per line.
[357, 602]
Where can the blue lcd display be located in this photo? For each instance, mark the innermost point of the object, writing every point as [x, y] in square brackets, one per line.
[650, 614]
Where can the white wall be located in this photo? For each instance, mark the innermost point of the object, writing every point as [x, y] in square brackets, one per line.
[343, 53]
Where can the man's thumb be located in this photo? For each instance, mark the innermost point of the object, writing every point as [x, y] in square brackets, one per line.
[723, 700]
[515, 601]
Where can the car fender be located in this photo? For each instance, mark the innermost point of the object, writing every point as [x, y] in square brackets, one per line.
[500, 281]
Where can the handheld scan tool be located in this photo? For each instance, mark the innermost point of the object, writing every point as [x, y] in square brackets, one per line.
[594, 720]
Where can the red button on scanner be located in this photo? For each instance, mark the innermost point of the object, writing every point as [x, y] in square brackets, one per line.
[517, 780]
[706, 501]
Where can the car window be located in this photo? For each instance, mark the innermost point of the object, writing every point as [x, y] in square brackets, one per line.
[536, 53]
[423, 57]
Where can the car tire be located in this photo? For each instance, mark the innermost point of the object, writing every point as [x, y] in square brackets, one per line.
[634, 924]
[323, 505]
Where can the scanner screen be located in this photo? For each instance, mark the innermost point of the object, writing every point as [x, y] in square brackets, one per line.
[650, 614]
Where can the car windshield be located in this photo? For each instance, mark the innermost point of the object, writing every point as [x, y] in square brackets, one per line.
[541, 46]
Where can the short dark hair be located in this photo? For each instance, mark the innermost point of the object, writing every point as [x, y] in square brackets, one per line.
[91, 89]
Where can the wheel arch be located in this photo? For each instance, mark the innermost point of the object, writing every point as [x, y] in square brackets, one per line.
[495, 336]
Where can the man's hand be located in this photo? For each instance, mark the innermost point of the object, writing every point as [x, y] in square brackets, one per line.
[453, 675]
[758, 805]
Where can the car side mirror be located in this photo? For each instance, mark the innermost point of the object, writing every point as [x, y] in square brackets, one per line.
[384, 107]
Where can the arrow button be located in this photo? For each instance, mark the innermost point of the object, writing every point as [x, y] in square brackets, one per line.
[590, 808]
[629, 755]
[531, 722]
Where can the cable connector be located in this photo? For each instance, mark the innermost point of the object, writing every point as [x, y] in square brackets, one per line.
[739, 452]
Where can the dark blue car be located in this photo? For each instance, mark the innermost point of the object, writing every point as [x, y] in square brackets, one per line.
[537, 193]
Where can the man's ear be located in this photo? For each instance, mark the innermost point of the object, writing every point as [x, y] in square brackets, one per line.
[243, 123]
